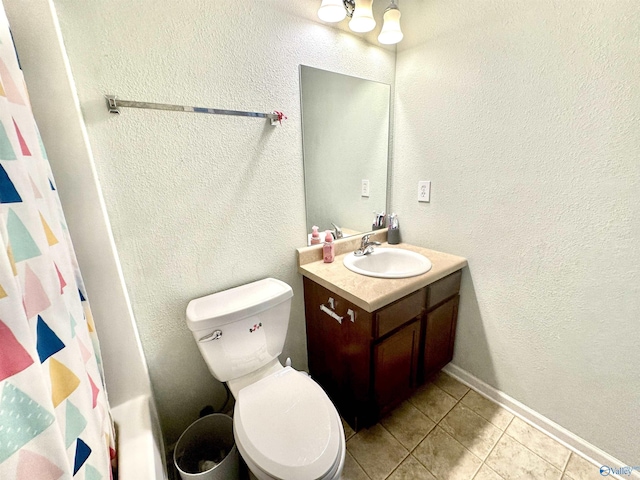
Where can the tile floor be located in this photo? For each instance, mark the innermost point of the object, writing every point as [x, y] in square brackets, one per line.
[446, 431]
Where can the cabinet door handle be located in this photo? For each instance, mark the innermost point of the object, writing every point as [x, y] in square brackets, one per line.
[331, 313]
[352, 315]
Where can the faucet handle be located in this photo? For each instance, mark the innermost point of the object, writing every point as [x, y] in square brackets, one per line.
[338, 230]
[366, 247]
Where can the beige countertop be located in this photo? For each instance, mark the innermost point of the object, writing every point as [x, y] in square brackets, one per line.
[371, 293]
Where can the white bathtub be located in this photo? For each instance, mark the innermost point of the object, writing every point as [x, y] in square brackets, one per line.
[139, 442]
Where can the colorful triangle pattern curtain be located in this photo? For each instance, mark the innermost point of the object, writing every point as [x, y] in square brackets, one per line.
[54, 416]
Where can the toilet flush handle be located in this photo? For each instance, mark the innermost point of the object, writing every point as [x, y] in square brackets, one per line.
[215, 335]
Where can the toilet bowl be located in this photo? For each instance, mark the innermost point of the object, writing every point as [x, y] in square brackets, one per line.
[285, 426]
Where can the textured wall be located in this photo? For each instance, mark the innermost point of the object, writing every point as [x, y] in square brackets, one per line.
[202, 203]
[524, 115]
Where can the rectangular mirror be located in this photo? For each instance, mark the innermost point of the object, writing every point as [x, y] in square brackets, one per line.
[345, 137]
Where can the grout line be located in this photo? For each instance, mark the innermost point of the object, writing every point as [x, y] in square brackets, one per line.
[458, 401]
[494, 447]
[509, 424]
[484, 462]
[477, 470]
[425, 467]
[422, 440]
[504, 432]
[577, 445]
[358, 463]
[454, 439]
[566, 464]
[438, 424]
[500, 477]
[527, 448]
[488, 419]
[397, 466]
[427, 434]
[399, 443]
[448, 411]
[419, 441]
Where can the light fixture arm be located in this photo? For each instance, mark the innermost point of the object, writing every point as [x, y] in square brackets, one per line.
[349, 6]
[392, 5]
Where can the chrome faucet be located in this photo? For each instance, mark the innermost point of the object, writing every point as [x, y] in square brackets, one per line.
[338, 231]
[366, 246]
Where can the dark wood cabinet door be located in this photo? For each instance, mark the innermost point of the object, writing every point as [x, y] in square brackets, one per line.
[326, 342]
[439, 336]
[395, 366]
[339, 352]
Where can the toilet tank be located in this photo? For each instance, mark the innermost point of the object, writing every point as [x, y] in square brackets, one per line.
[241, 329]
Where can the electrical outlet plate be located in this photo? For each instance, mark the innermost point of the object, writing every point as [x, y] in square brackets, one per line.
[424, 191]
[365, 188]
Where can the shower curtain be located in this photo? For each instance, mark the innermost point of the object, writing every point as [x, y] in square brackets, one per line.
[54, 415]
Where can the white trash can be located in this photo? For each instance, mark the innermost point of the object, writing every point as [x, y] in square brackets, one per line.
[207, 451]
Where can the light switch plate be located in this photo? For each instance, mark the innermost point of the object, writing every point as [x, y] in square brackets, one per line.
[365, 188]
[424, 191]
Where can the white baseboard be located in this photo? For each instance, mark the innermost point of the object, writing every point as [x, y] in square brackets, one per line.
[589, 452]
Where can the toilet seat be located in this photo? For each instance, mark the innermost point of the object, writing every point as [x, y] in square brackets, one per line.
[288, 426]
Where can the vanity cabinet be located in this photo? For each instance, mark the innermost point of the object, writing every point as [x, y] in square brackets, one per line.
[369, 362]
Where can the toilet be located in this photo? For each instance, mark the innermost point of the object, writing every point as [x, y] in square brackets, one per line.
[285, 425]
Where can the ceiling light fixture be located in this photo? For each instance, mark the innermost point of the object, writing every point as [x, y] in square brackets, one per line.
[391, 32]
[332, 11]
[362, 21]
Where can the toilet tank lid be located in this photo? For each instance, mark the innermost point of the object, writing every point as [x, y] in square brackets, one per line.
[239, 302]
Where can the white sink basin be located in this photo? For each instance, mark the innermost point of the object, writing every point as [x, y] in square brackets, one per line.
[388, 263]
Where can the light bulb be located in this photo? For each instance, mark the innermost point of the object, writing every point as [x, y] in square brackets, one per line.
[332, 11]
[391, 32]
[362, 20]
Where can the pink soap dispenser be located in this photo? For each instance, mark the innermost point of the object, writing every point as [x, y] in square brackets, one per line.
[328, 250]
[315, 236]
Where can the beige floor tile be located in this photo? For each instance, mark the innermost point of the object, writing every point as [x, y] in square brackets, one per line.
[450, 385]
[580, 469]
[487, 409]
[348, 431]
[471, 430]
[408, 425]
[445, 458]
[411, 469]
[434, 402]
[512, 461]
[485, 473]
[377, 452]
[536, 441]
[352, 470]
